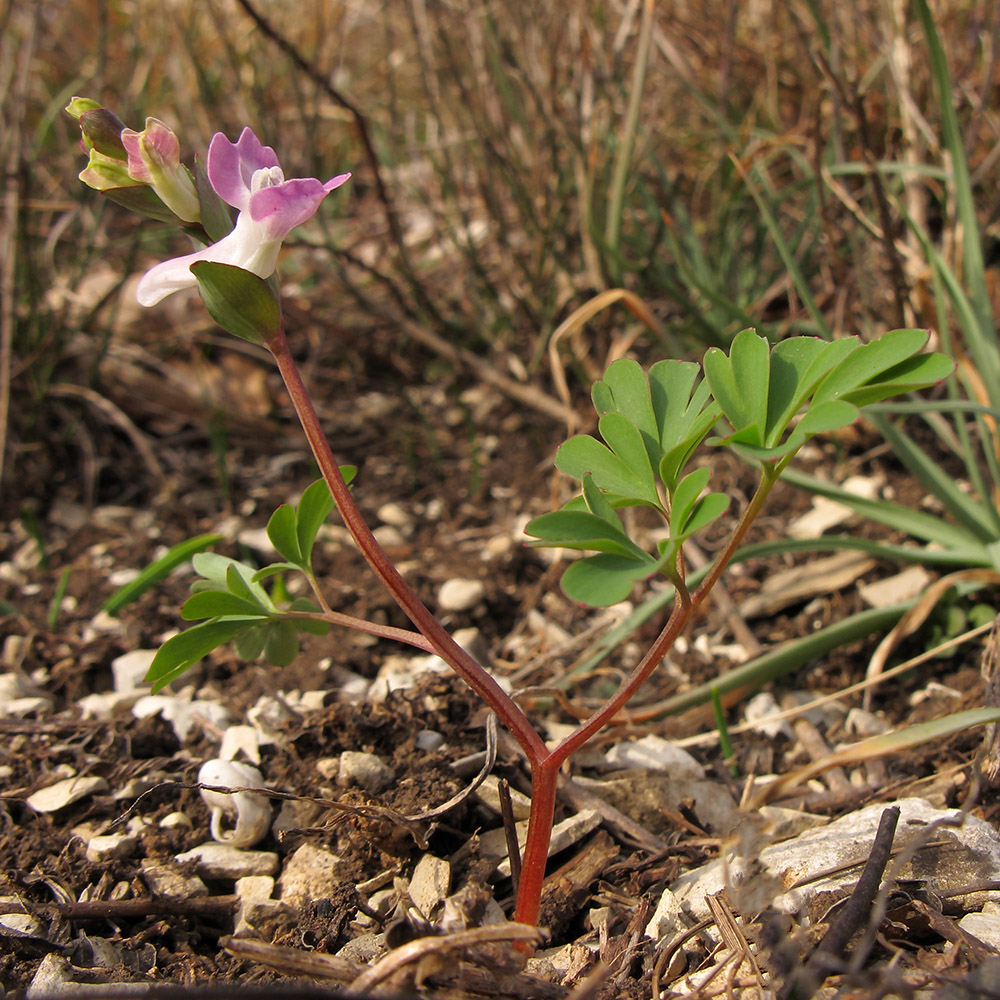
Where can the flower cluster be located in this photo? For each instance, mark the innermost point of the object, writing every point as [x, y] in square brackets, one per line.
[245, 174]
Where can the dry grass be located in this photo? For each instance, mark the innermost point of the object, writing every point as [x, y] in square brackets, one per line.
[483, 138]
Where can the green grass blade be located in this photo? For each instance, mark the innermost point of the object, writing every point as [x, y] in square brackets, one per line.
[913, 522]
[157, 571]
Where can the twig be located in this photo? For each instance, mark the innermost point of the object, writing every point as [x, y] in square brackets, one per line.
[115, 909]
[831, 949]
[510, 833]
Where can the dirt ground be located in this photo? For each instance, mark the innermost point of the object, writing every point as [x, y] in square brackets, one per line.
[467, 466]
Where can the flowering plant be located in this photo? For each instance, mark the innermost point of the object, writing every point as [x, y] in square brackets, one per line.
[767, 402]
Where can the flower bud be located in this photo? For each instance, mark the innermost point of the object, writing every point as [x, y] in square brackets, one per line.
[154, 159]
[101, 128]
[104, 173]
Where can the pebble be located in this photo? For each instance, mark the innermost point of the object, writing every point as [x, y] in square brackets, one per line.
[394, 515]
[164, 879]
[24, 923]
[66, 792]
[429, 883]
[460, 595]
[668, 918]
[827, 859]
[238, 740]
[19, 697]
[489, 794]
[129, 669]
[182, 713]
[757, 714]
[110, 847]
[655, 754]
[389, 536]
[256, 904]
[365, 770]
[428, 740]
[310, 873]
[176, 821]
[985, 926]
[214, 860]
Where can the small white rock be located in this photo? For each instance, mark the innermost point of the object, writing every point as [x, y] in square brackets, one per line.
[223, 861]
[656, 754]
[393, 514]
[985, 926]
[460, 595]
[177, 821]
[757, 712]
[25, 923]
[110, 847]
[64, 793]
[164, 879]
[129, 669]
[429, 883]
[308, 874]
[365, 770]
[667, 919]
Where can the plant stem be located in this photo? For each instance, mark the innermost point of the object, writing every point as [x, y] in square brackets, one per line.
[363, 625]
[442, 643]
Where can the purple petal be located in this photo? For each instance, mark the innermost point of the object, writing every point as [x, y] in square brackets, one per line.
[231, 165]
[281, 208]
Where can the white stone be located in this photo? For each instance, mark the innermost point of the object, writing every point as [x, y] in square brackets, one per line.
[489, 794]
[389, 536]
[757, 715]
[985, 926]
[911, 582]
[224, 861]
[365, 770]
[53, 975]
[24, 923]
[64, 793]
[310, 873]
[19, 697]
[164, 879]
[238, 740]
[830, 858]
[429, 740]
[667, 919]
[393, 514]
[182, 713]
[129, 669]
[460, 595]
[176, 821]
[655, 754]
[252, 813]
[110, 847]
[255, 905]
[564, 835]
[429, 883]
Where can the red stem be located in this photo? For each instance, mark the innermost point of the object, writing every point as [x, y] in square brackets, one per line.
[443, 644]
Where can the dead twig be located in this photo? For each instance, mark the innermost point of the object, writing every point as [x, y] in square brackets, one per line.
[830, 951]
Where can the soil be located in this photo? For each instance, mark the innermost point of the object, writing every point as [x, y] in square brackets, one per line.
[467, 466]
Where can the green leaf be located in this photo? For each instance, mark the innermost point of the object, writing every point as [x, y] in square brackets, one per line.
[250, 644]
[797, 365]
[217, 603]
[601, 580]
[572, 529]
[281, 645]
[273, 569]
[583, 454]
[685, 413]
[626, 441]
[313, 510]
[598, 503]
[215, 215]
[240, 301]
[182, 651]
[157, 571]
[239, 581]
[624, 390]
[740, 382]
[142, 200]
[882, 368]
[282, 529]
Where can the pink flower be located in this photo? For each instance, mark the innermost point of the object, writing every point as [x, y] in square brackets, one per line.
[246, 175]
[154, 158]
